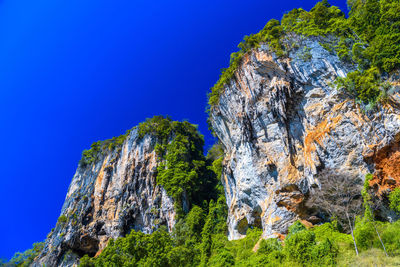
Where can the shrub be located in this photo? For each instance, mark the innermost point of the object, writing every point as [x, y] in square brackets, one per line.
[299, 245]
[325, 253]
[85, 261]
[296, 227]
[317, 246]
[62, 219]
[269, 245]
[366, 86]
[390, 233]
[368, 213]
[25, 258]
[213, 234]
[305, 54]
[331, 231]
[97, 148]
[394, 198]
[135, 249]
[364, 234]
[223, 258]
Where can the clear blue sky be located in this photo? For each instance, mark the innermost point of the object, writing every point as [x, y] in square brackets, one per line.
[76, 71]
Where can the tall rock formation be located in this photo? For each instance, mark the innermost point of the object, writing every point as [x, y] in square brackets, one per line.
[113, 191]
[281, 122]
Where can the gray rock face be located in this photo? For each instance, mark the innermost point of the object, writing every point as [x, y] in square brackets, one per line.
[281, 122]
[107, 199]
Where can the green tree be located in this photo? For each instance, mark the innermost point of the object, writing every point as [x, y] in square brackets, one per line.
[394, 198]
[25, 258]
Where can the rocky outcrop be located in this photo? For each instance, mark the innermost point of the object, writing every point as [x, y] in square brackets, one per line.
[281, 122]
[107, 199]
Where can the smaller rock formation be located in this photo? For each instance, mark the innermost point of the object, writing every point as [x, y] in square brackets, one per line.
[107, 198]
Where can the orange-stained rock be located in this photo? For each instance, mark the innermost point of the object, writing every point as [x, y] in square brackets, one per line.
[387, 166]
[107, 199]
[281, 122]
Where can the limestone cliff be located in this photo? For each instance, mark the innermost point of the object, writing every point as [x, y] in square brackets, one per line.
[281, 122]
[107, 198]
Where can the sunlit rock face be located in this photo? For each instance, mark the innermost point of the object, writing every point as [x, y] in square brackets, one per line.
[107, 199]
[281, 122]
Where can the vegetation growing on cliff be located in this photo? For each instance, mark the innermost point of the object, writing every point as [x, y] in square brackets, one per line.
[25, 258]
[394, 198]
[271, 34]
[62, 219]
[97, 148]
[183, 171]
[369, 38]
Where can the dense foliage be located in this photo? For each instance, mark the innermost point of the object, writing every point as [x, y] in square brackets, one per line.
[183, 171]
[394, 198]
[369, 39]
[200, 238]
[271, 34]
[190, 245]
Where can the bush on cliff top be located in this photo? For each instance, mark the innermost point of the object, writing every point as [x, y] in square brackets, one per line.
[270, 34]
[91, 155]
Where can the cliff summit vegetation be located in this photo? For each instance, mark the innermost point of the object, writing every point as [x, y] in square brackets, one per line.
[368, 39]
[97, 148]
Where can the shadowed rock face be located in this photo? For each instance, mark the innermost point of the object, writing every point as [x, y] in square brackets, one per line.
[107, 199]
[281, 122]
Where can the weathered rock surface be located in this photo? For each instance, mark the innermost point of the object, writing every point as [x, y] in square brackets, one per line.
[107, 199]
[281, 122]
